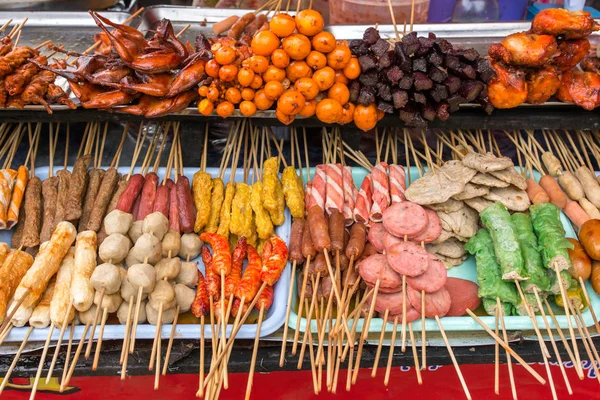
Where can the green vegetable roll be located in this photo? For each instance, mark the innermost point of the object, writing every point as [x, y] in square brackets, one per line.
[489, 277]
[553, 245]
[566, 278]
[537, 274]
[521, 309]
[506, 246]
[490, 306]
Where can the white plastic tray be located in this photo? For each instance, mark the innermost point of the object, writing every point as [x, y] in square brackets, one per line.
[275, 316]
[466, 270]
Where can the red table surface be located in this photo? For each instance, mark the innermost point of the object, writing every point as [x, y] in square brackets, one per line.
[439, 382]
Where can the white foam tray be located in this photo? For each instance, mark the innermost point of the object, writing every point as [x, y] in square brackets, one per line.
[275, 316]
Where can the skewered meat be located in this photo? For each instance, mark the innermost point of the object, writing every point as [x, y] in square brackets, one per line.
[15, 83]
[56, 95]
[17, 57]
[542, 84]
[581, 88]
[591, 63]
[525, 49]
[561, 22]
[570, 53]
[37, 88]
[5, 45]
[508, 88]
[439, 186]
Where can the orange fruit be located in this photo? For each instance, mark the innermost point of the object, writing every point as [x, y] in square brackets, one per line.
[273, 74]
[309, 22]
[340, 77]
[339, 57]
[282, 24]
[297, 70]
[365, 117]
[324, 78]
[245, 76]
[203, 90]
[280, 58]
[291, 102]
[261, 100]
[309, 108]
[247, 94]
[258, 64]
[205, 107]
[273, 89]
[308, 87]
[257, 82]
[233, 95]
[212, 68]
[284, 118]
[347, 114]
[225, 55]
[380, 115]
[297, 46]
[329, 111]
[316, 60]
[228, 73]
[264, 43]
[247, 108]
[323, 42]
[339, 92]
[225, 109]
[213, 93]
[352, 69]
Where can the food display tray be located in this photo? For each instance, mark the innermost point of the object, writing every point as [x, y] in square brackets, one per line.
[274, 318]
[466, 270]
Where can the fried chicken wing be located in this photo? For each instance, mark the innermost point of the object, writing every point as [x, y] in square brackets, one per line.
[508, 89]
[15, 83]
[591, 63]
[581, 88]
[37, 88]
[524, 49]
[5, 45]
[570, 53]
[542, 84]
[562, 22]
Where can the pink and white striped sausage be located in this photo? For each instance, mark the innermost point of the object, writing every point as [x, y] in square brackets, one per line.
[362, 205]
[334, 199]
[381, 191]
[397, 183]
[349, 195]
[319, 186]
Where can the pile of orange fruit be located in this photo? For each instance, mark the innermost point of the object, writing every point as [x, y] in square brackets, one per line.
[294, 65]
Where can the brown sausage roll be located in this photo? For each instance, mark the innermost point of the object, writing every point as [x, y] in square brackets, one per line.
[33, 213]
[336, 230]
[64, 176]
[319, 230]
[296, 241]
[17, 237]
[238, 28]
[101, 203]
[77, 187]
[49, 194]
[95, 180]
[255, 25]
[121, 186]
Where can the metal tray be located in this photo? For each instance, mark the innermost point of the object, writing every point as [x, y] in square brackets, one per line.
[466, 271]
[274, 319]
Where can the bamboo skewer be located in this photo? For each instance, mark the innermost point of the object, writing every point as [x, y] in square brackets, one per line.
[456, 366]
[41, 364]
[15, 360]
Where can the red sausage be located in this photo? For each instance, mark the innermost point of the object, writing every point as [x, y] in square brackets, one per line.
[463, 295]
[308, 250]
[187, 209]
[336, 230]
[296, 241]
[405, 218]
[148, 195]
[136, 208]
[356, 244]
[319, 231]
[433, 229]
[161, 204]
[437, 303]
[407, 258]
[555, 193]
[131, 193]
[173, 206]
[376, 233]
[432, 280]
[575, 213]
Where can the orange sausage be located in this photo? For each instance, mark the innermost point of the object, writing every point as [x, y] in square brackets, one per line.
[555, 193]
[224, 25]
[536, 193]
[575, 213]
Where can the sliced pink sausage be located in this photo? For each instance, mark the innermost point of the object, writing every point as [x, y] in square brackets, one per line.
[411, 314]
[386, 290]
[437, 303]
[389, 240]
[432, 280]
[433, 229]
[463, 295]
[405, 218]
[375, 235]
[391, 301]
[376, 267]
[407, 258]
